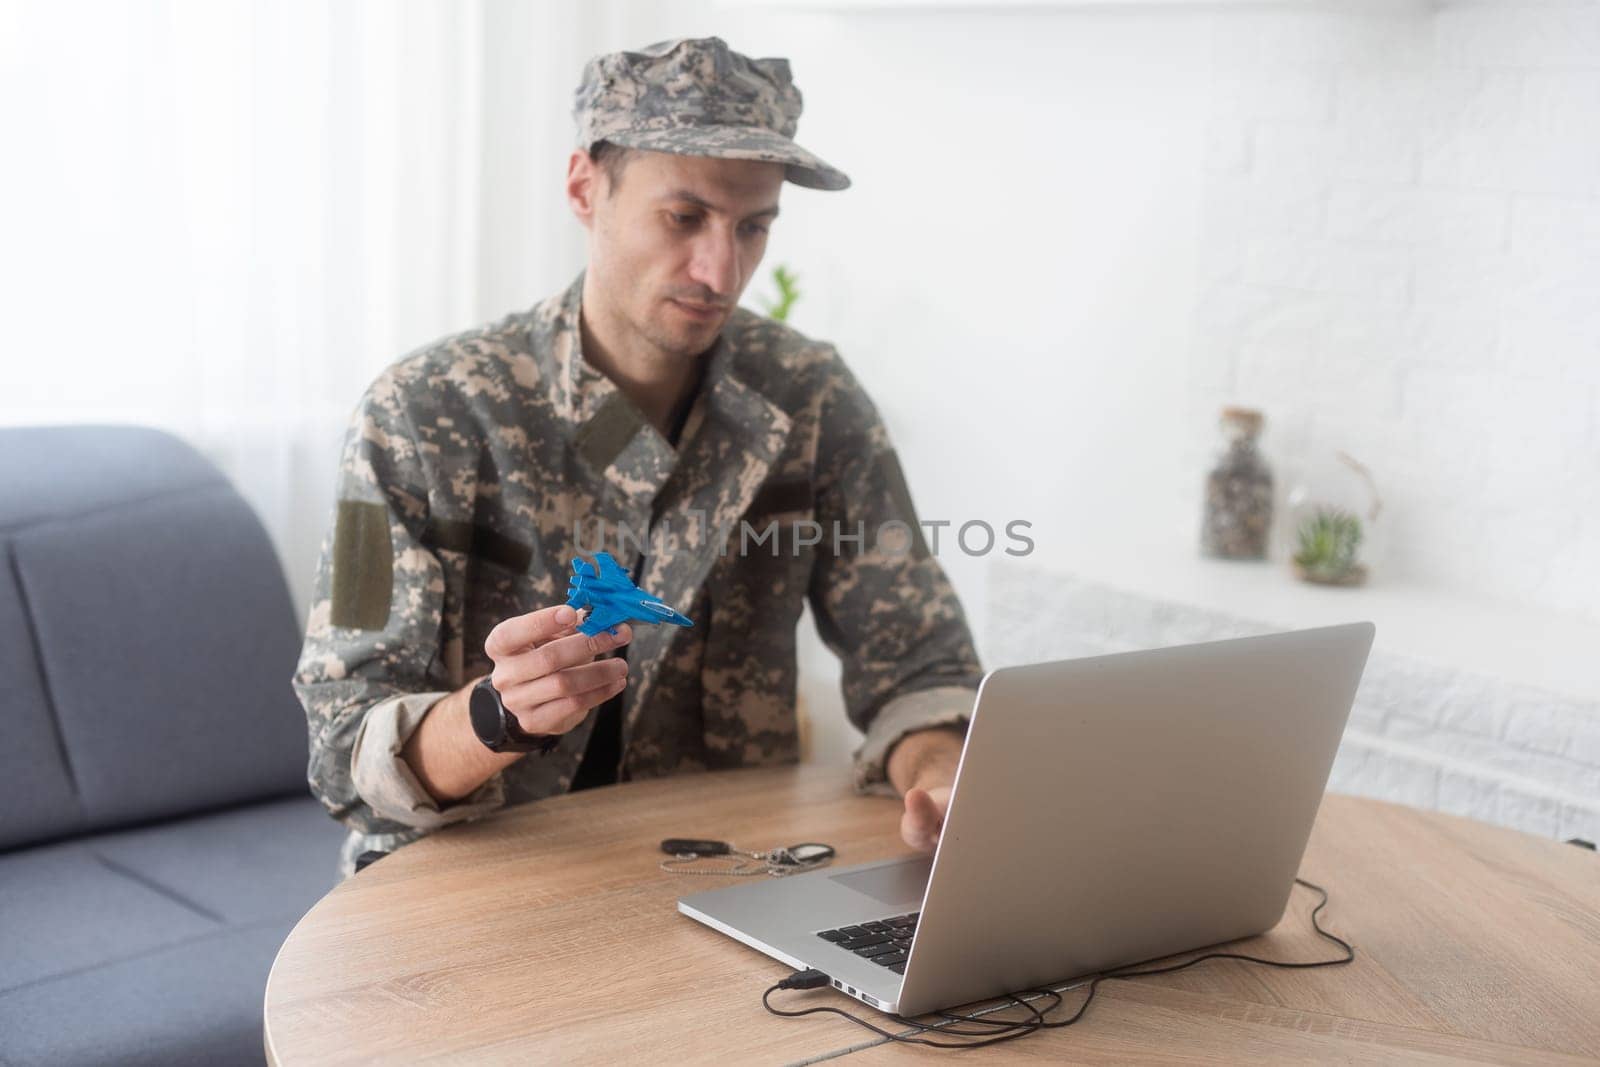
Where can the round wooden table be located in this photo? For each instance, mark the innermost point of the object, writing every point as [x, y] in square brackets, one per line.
[548, 933]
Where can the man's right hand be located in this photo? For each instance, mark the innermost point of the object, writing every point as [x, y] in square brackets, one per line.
[547, 676]
[546, 672]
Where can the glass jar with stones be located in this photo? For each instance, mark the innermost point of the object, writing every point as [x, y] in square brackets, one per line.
[1238, 504]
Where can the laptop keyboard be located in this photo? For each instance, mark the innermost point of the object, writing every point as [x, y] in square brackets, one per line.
[883, 941]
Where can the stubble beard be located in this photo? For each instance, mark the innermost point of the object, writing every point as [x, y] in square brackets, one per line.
[681, 343]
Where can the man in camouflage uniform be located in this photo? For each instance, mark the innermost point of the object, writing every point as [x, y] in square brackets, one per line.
[642, 399]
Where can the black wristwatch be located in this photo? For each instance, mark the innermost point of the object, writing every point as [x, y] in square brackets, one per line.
[498, 729]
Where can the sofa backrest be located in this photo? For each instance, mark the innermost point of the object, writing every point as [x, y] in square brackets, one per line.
[147, 638]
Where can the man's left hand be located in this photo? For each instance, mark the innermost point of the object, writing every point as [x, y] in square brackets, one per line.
[924, 816]
[922, 766]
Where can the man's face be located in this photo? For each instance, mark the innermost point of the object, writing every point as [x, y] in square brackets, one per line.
[674, 242]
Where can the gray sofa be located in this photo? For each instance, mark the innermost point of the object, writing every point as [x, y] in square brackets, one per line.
[157, 840]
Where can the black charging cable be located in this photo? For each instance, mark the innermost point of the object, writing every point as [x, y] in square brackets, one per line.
[1011, 1029]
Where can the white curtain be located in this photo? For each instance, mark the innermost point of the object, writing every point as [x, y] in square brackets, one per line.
[223, 217]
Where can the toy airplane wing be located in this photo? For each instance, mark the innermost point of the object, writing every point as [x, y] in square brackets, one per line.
[602, 618]
[610, 571]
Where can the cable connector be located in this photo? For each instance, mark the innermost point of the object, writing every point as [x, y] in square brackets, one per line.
[807, 979]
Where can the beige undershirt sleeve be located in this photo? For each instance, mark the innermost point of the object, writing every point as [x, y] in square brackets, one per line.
[386, 781]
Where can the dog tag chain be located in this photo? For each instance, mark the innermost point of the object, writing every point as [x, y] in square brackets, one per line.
[698, 856]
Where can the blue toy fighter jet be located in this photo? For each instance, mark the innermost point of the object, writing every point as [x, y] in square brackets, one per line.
[612, 598]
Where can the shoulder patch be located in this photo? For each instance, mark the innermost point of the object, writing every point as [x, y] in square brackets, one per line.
[602, 439]
[363, 566]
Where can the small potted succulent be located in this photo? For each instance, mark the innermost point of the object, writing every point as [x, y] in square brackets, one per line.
[1337, 530]
[1329, 546]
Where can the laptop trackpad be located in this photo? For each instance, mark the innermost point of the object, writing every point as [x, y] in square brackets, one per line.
[893, 883]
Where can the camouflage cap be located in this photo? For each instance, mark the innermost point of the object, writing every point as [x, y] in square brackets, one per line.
[698, 97]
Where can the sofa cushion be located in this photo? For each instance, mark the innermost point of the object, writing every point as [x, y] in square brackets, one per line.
[160, 627]
[49, 472]
[198, 1002]
[153, 945]
[64, 910]
[38, 798]
[243, 865]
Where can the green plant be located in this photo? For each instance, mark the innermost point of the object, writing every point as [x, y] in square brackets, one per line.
[788, 293]
[1329, 541]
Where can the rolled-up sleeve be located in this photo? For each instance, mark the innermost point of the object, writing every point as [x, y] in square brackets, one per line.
[948, 706]
[371, 666]
[386, 782]
[882, 603]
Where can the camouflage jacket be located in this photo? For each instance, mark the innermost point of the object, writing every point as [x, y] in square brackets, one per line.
[475, 469]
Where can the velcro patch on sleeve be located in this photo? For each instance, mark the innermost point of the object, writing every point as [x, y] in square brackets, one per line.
[363, 566]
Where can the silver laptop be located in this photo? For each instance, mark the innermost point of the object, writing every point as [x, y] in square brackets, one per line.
[1106, 811]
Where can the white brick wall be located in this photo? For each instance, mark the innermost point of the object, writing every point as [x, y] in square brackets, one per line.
[1422, 734]
[1402, 212]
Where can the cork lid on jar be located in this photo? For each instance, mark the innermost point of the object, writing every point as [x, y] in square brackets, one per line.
[1248, 420]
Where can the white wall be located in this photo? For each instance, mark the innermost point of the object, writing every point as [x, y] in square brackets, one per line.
[1400, 257]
